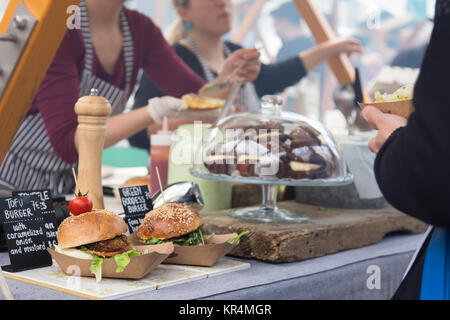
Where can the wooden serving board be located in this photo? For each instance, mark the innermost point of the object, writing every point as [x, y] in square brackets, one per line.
[327, 231]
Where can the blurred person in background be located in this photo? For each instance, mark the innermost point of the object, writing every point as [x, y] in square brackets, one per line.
[410, 58]
[287, 23]
[412, 165]
[198, 40]
[106, 53]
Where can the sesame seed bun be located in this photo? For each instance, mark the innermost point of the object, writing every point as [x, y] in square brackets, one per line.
[170, 220]
[90, 227]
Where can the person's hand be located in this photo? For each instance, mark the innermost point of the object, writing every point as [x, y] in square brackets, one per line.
[385, 123]
[170, 107]
[174, 108]
[344, 45]
[248, 72]
[313, 57]
[250, 69]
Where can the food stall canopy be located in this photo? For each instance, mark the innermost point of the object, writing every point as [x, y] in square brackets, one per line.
[31, 31]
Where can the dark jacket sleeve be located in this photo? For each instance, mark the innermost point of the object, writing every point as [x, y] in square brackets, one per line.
[413, 167]
[276, 77]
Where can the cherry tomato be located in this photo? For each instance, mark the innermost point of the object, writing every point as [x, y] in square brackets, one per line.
[80, 204]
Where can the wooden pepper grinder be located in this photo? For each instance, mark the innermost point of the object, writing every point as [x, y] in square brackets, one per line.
[93, 112]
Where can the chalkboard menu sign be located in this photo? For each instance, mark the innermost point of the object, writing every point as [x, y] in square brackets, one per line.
[24, 228]
[45, 204]
[136, 202]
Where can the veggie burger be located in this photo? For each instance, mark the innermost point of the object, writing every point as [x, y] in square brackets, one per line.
[172, 222]
[96, 235]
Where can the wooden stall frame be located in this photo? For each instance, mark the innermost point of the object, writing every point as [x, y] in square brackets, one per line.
[52, 17]
[322, 32]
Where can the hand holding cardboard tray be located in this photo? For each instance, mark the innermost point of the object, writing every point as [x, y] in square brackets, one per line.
[402, 108]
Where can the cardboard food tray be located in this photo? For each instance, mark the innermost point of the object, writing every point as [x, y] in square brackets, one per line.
[206, 256]
[402, 108]
[138, 268]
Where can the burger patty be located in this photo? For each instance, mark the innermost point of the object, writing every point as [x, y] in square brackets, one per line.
[116, 244]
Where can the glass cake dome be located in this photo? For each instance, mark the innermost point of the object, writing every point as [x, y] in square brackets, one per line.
[270, 148]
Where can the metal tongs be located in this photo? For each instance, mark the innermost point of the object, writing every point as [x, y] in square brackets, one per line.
[219, 86]
[350, 94]
[181, 192]
[346, 99]
[229, 101]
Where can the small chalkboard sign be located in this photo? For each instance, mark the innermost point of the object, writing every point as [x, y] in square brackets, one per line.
[136, 202]
[24, 228]
[45, 204]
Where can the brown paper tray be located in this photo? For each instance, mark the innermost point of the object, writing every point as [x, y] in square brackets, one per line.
[206, 255]
[402, 108]
[138, 268]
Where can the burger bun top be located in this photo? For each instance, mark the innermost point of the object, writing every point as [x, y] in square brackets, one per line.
[90, 227]
[169, 221]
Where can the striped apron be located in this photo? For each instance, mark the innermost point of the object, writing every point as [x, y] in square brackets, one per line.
[31, 162]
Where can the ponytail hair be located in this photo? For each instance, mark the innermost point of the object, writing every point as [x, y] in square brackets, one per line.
[177, 30]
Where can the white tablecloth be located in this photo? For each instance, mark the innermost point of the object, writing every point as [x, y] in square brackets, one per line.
[343, 275]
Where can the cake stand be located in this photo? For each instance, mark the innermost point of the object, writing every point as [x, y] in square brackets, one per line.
[268, 211]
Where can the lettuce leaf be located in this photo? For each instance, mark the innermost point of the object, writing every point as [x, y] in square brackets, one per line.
[123, 259]
[194, 238]
[96, 267]
[96, 264]
[236, 239]
[154, 240]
